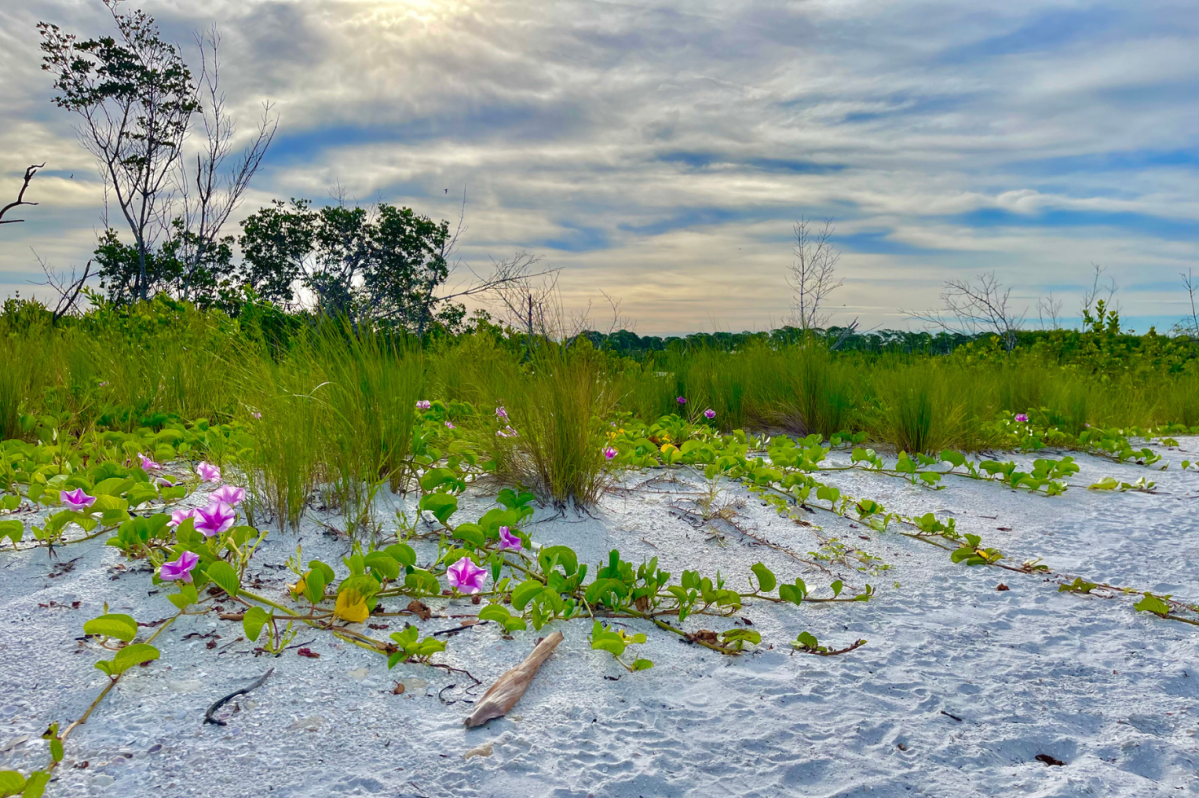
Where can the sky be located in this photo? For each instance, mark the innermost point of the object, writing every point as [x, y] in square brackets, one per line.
[660, 153]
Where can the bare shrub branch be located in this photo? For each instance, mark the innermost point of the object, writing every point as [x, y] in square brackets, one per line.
[813, 274]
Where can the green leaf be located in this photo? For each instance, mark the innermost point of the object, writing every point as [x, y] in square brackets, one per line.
[122, 627]
[327, 571]
[808, 640]
[253, 621]
[495, 612]
[525, 592]
[35, 787]
[113, 486]
[600, 589]
[642, 664]
[383, 564]
[1151, 603]
[132, 655]
[314, 584]
[12, 529]
[11, 783]
[470, 533]
[435, 478]
[955, 459]
[225, 577]
[766, 579]
[422, 581]
[56, 751]
[612, 644]
[565, 555]
[836, 587]
[442, 505]
[403, 553]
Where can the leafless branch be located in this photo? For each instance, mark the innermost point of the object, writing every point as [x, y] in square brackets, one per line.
[67, 287]
[812, 276]
[1049, 311]
[1189, 325]
[29, 173]
[1092, 295]
[973, 306]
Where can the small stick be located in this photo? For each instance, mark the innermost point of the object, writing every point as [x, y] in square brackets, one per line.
[209, 717]
[508, 689]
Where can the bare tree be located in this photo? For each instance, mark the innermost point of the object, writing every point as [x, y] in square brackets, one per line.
[525, 302]
[136, 97]
[67, 287]
[1189, 326]
[813, 274]
[29, 173]
[208, 194]
[978, 305]
[1092, 296]
[1049, 311]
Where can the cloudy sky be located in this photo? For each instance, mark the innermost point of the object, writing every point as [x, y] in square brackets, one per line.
[660, 151]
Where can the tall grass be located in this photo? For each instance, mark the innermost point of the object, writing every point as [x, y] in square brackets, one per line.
[558, 412]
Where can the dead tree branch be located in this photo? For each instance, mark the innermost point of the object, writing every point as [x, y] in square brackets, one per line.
[813, 274]
[29, 173]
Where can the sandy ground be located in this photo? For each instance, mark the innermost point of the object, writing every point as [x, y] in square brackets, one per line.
[1028, 671]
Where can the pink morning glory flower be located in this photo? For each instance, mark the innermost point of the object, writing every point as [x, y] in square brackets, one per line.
[709, 414]
[609, 453]
[500, 412]
[448, 425]
[179, 569]
[510, 541]
[229, 495]
[214, 519]
[148, 464]
[208, 472]
[423, 404]
[164, 482]
[179, 516]
[466, 577]
[682, 400]
[256, 414]
[506, 432]
[76, 499]
[1022, 418]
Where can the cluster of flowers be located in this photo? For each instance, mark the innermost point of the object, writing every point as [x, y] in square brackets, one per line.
[217, 517]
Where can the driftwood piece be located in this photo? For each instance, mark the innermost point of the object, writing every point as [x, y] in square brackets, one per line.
[508, 689]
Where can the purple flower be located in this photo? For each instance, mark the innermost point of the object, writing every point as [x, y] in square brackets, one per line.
[609, 453]
[208, 472]
[103, 384]
[148, 464]
[1022, 418]
[682, 400]
[164, 482]
[256, 414]
[423, 404]
[709, 414]
[506, 432]
[510, 541]
[448, 425]
[500, 412]
[214, 519]
[180, 568]
[179, 516]
[229, 495]
[76, 499]
[466, 577]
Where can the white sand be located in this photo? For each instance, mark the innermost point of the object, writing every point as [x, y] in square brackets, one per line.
[1029, 671]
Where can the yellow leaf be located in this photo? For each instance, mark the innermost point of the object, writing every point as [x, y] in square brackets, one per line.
[351, 606]
[667, 448]
[297, 589]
